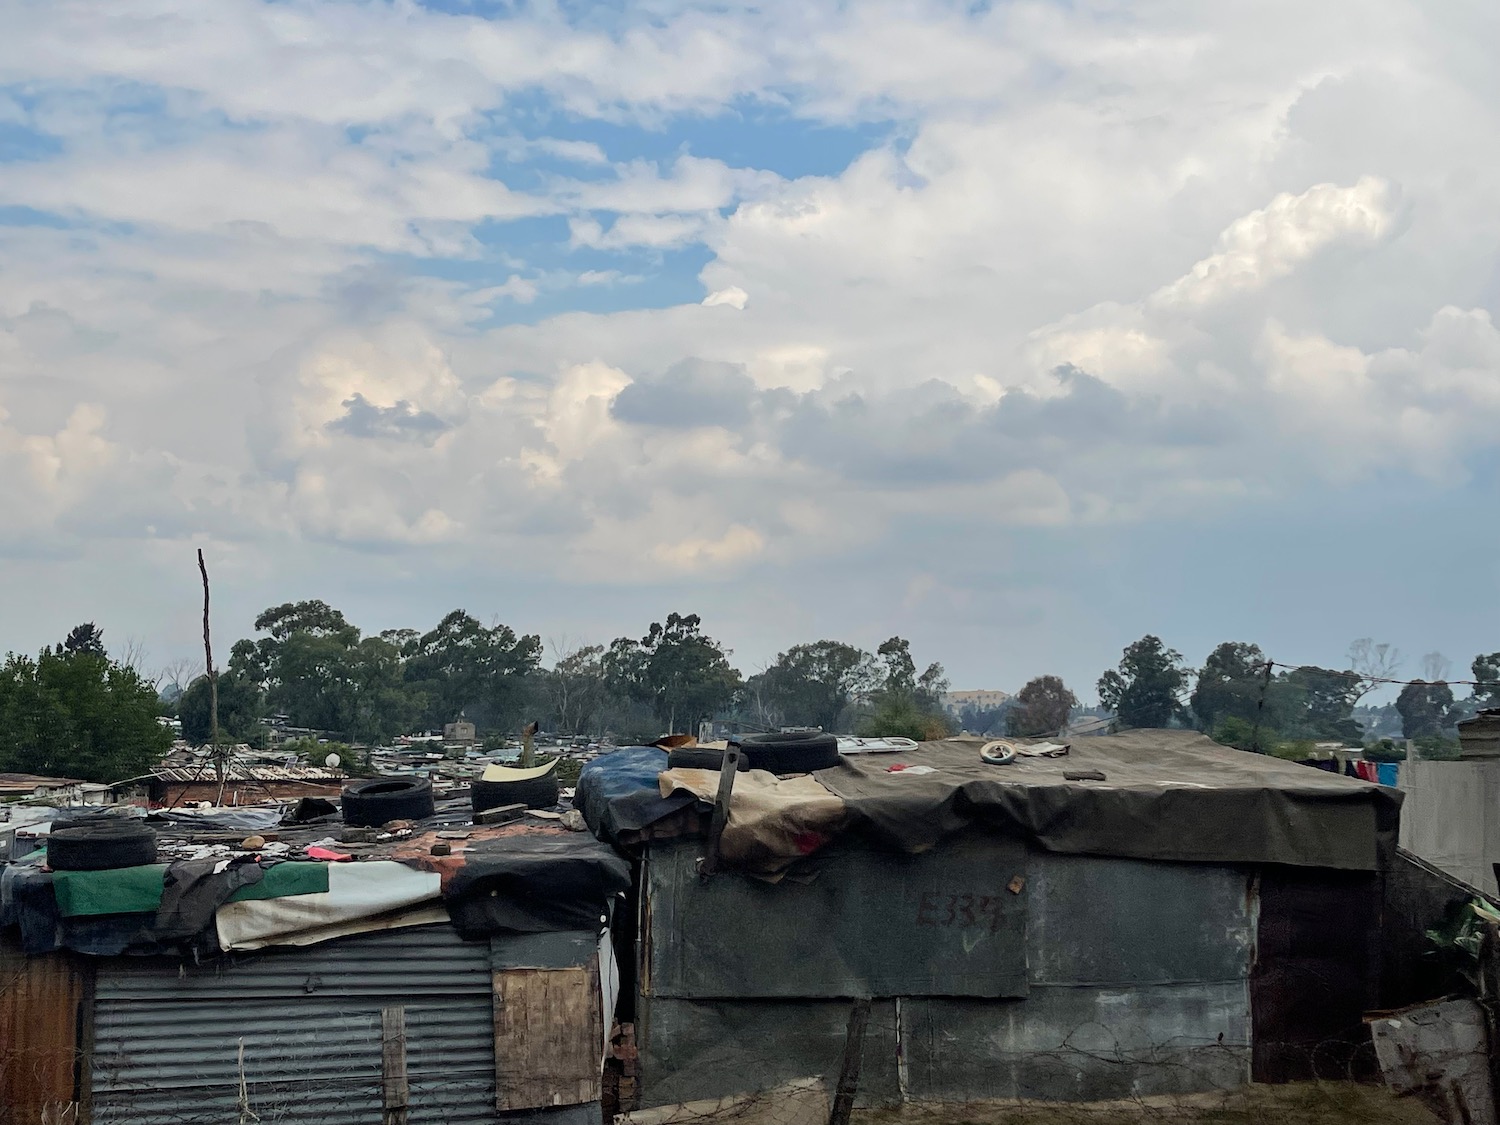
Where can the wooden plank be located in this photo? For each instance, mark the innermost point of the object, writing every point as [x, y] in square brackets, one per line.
[549, 1037]
[854, 1047]
[394, 1093]
[83, 1070]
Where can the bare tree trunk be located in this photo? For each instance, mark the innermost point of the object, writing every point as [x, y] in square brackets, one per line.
[220, 773]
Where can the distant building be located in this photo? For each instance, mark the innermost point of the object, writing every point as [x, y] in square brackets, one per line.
[63, 790]
[981, 700]
[461, 731]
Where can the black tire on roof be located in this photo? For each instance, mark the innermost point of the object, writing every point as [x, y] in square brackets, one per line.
[799, 752]
[693, 758]
[97, 846]
[379, 800]
[535, 793]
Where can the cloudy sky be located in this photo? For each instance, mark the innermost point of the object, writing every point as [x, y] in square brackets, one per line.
[1018, 329]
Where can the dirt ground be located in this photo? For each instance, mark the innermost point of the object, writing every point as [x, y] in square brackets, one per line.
[1303, 1103]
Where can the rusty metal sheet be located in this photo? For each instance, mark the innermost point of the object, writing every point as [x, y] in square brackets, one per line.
[41, 1014]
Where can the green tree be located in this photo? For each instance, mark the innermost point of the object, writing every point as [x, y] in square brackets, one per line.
[1424, 709]
[906, 704]
[314, 667]
[1043, 706]
[900, 716]
[241, 705]
[84, 638]
[578, 689]
[680, 673]
[463, 667]
[1320, 704]
[378, 702]
[986, 720]
[1231, 684]
[1144, 690]
[813, 684]
[78, 714]
[1486, 669]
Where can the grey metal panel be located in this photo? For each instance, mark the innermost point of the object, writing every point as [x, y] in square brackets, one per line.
[1102, 920]
[707, 1049]
[394, 962]
[543, 951]
[870, 924]
[1079, 1044]
[167, 1035]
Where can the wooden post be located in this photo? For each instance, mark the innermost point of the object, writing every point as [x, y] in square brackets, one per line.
[394, 1094]
[727, 769]
[220, 771]
[83, 1075]
[854, 1047]
[1489, 1001]
[528, 745]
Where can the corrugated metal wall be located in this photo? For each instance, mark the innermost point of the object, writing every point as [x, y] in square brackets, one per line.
[1138, 977]
[167, 1035]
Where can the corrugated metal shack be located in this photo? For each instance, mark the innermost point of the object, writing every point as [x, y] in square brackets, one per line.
[472, 986]
[1149, 914]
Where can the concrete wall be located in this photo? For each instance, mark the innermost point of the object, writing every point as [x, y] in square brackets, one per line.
[1451, 817]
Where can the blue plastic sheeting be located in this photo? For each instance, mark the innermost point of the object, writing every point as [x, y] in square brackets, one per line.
[619, 796]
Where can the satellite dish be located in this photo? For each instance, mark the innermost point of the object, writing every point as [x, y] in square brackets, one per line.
[331, 761]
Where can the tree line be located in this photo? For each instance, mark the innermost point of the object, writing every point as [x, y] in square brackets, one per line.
[1242, 698]
[75, 711]
[318, 670]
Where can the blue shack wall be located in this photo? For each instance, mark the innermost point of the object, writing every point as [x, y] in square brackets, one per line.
[1135, 978]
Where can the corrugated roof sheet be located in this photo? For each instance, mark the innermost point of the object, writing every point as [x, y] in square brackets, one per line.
[242, 772]
[9, 780]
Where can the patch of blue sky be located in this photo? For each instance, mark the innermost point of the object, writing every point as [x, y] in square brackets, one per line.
[31, 217]
[747, 135]
[20, 143]
[568, 278]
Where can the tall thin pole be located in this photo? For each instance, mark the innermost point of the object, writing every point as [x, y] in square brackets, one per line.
[213, 688]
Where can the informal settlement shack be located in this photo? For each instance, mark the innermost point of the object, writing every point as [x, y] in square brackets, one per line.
[449, 972]
[1148, 913]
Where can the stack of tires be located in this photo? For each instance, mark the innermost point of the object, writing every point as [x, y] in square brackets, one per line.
[379, 800]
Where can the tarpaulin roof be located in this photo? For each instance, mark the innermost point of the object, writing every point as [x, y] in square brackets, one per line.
[522, 877]
[1169, 795]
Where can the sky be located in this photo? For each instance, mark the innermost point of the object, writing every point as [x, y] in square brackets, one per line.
[1016, 329]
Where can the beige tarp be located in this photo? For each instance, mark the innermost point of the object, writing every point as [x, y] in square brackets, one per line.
[773, 821]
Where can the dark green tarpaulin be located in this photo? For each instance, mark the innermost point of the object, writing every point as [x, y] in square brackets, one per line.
[1172, 795]
[134, 890]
